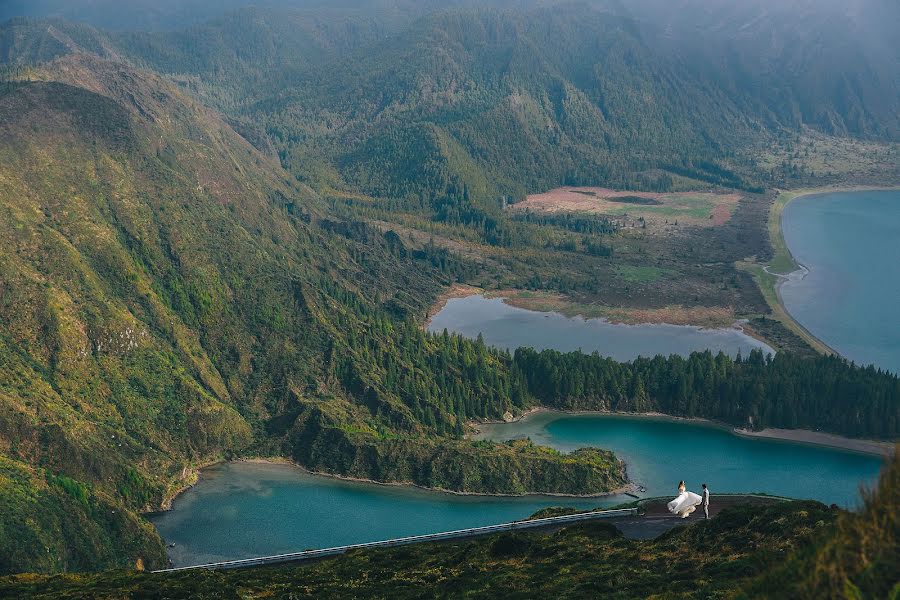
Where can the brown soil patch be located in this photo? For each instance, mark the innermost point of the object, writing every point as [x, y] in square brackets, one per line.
[699, 316]
[662, 211]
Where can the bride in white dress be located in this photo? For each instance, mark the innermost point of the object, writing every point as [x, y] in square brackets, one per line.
[685, 503]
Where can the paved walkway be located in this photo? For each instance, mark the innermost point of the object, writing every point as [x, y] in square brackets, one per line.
[656, 518]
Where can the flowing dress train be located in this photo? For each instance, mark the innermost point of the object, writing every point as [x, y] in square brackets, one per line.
[684, 504]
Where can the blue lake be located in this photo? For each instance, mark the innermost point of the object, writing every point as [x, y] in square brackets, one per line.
[509, 327]
[241, 510]
[849, 298]
[660, 452]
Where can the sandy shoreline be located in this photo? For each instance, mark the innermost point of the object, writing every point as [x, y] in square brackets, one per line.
[799, 436]
[818, 438]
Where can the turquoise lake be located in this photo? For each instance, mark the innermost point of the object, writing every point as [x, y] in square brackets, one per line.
[849, 298]
[661, 452]
[509, 327]
[241, 510]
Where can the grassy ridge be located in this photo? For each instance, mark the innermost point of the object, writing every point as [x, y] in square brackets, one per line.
[53, 523]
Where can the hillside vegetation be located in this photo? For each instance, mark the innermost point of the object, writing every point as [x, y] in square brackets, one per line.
[172, 299]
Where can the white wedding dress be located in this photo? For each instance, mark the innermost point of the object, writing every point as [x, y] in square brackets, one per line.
[684, 504]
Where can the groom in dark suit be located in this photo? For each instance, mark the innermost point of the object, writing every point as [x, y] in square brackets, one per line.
[706, 501]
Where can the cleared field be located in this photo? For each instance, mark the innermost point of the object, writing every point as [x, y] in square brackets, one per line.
[655, 211]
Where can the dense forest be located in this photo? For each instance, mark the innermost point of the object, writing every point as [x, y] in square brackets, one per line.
[825, 393]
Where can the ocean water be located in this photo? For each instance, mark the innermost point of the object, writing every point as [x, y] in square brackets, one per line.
[850, 296]
[509, 327]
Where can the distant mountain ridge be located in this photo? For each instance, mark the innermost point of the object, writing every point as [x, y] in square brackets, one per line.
[412, 101]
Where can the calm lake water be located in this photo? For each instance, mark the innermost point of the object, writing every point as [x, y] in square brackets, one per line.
[850, 242]
[509, 327]
[660, 452]
[241, 510]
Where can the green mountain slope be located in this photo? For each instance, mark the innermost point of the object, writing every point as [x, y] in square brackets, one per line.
[502, 103]
[170, 297]
[406, 100]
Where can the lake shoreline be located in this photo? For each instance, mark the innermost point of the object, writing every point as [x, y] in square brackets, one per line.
[500, 308]
[784, 266]
[792, 436]
[457, 290]
[819, 438]
[629, 488]
[691, 318]
[190, 477]
[795, 436]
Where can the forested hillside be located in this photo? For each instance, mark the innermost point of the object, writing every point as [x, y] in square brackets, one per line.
[826, 392]
[170, 297]
[517, 97]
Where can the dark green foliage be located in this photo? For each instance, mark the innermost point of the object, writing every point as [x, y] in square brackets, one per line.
[859, 557]
[511, 468]
[60, 524]
[160, 323]
[78, 491]
[171, 296]
[825, 392]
